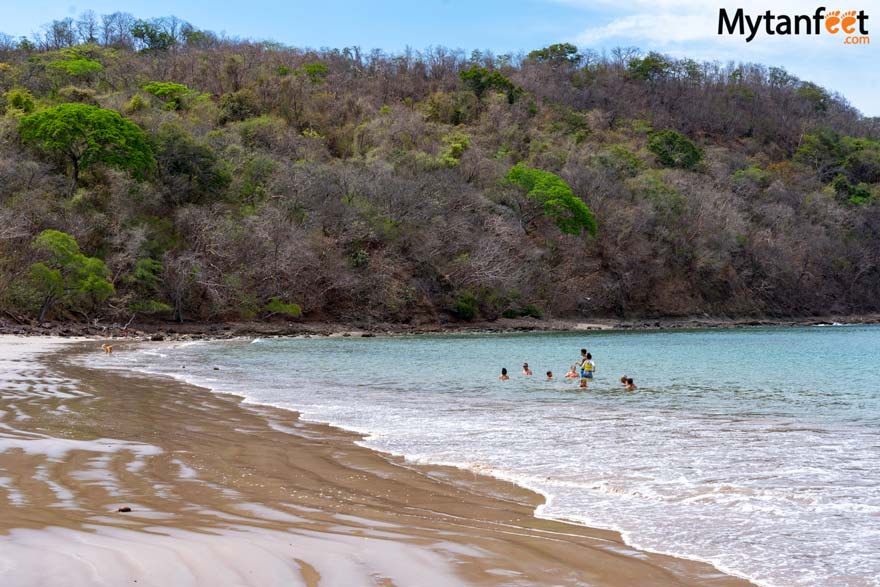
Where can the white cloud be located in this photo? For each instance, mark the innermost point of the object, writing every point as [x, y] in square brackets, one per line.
[689, 28]
[674, 24]
[676, 21]
[652, 27]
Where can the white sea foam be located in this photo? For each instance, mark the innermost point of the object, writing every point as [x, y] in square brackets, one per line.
[767, 472]
[103, 554]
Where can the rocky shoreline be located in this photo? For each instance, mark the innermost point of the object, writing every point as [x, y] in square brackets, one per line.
[158, 331]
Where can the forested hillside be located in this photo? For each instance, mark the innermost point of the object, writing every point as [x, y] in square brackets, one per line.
[149, 168]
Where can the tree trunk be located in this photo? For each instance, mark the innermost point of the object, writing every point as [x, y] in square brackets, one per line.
[47, 303]
[75, 175]
[178, 307]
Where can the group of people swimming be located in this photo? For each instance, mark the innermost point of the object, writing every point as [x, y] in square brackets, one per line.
[584, 370]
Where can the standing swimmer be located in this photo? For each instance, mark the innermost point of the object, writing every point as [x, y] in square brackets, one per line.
[587, 368]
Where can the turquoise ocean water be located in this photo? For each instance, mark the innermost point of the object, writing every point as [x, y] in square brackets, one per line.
[755, 449]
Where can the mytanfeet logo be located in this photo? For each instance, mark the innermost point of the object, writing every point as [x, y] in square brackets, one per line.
[851, 25]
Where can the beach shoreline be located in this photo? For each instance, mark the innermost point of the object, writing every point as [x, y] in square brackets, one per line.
[172, 331]
[206, 475]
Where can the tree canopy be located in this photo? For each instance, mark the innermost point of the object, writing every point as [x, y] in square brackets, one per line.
[65, 275]
[174, 95]
[86, 135]
[557, 55]
[480, 80]
[233, 179]
[673, 149]
[152, 36]
[652, 66]
[569, 212]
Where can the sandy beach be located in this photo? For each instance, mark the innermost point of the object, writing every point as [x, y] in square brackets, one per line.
[223, 493]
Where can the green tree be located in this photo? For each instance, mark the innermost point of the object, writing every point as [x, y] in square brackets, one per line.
[77, 67]
[651, 67]
[316, 72]
[555, 197]
[151, 36]
[199, 39]
[174, 95]
[73, 64]
[86, 135]
[480, 80]
[823, 151]
[145, 280]
[65, 275]
[673, 149]
[25, 45]
[189, 170]
[854, 194]
[557, 55]
[816, 96]
[863, 159]
[254, 176]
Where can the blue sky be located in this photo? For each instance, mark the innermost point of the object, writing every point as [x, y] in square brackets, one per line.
[678, 27]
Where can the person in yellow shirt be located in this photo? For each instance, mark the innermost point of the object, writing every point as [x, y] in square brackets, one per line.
[588, 367]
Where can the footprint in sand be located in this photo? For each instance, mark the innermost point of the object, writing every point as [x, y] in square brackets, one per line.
[847, 22]
[832, 20]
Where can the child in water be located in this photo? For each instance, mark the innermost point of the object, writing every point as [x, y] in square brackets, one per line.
[572, 373]
[630, 386]
[623, 381]
[504, 376]
[549, 375]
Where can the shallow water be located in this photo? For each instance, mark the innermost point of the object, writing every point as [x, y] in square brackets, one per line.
[754, 449]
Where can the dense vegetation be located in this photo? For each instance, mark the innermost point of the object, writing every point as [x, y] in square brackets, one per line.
[150, 168]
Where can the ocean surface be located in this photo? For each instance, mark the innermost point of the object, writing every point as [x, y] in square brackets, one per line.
[757, 450]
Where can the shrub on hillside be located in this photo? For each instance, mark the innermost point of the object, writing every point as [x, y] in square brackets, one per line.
[20, 99]
[277, 306]
[465, 307]
[673, 149]
[239, 105]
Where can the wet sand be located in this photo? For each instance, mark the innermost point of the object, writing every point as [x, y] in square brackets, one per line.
[225, 493]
